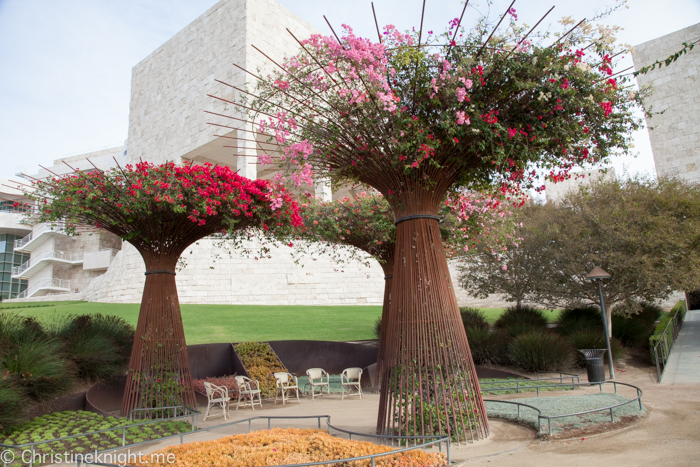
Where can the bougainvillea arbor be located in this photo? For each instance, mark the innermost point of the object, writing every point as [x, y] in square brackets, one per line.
[365, 223]
[417, 115]
[161, 210]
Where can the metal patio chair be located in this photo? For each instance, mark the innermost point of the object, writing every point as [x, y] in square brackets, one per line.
[285, 382]
[318, 378]
[248, 389]
[216, 396]
[349, 378]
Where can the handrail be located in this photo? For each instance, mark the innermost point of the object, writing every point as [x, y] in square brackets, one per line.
[600, 385]
[436, 439]
[526, 388]
[47, 254]
[56, 227]
[57, 283]
[677, 322]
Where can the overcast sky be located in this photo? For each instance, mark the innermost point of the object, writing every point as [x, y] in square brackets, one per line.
[66, 64]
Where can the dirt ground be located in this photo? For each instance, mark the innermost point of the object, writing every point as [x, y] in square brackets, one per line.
[668, 436]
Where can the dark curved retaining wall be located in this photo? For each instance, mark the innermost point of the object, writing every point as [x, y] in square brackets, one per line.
[70, 402]
[334, 357]
[208, 360]
[105, 398]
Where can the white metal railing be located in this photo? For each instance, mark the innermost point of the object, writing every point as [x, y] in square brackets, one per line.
[57, 227]
[49, 254]
[45, 284]
[12, 210]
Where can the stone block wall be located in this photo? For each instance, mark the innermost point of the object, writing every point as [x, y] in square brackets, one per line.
[213, 276]
[675, 137]
[169, 87]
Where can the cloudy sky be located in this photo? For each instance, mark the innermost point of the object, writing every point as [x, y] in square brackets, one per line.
[66, 64]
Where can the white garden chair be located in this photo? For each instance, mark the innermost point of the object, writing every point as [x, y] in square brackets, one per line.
[285, 382]
[349, 378]
[318, 378]
[248, 389]
[216, 396]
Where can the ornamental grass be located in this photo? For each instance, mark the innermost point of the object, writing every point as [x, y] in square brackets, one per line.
[281, 446]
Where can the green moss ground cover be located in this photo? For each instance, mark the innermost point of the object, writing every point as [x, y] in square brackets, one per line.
[563, 405]
[241, 323]
[62, 424]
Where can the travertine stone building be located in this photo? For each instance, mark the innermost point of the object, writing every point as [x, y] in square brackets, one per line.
[675, 134]
[170, 87]
[168, 122]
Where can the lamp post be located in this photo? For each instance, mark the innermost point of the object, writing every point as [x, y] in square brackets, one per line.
[599, 275]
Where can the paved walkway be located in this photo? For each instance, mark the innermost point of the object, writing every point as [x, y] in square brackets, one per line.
[683, 365]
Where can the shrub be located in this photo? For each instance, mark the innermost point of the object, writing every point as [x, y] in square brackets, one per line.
[631, 332]
[649, 314]
[98, 345]
[661, 329]
[541, 350]
[581, 318]
[12, 404]
[587, 339]
[31, 360]
[39, 368]
[521, 320]
[473, 318]
[378, 327]
[228, 381]
[488, 347]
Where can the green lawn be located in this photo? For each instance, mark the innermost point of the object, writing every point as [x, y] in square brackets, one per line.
[239, 323]
[492, 314]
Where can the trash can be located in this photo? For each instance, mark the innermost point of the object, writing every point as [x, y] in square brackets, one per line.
[594, 364]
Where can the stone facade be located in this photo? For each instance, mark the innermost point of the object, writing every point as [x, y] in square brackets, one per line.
[213, 276]
[170, 87]
[557, 191]
[675, 134]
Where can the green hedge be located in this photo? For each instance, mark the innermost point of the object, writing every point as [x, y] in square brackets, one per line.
[661, 329]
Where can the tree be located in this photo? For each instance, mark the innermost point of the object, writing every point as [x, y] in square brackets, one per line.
[160, 210]
[512, 269]
[643, 232]
[416, 116]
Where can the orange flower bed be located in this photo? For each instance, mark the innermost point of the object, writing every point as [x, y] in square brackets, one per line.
[280, 446]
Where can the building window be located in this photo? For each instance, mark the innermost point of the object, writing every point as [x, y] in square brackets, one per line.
[9, 287]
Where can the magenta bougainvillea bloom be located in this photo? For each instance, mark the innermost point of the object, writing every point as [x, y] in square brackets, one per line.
[160, 210]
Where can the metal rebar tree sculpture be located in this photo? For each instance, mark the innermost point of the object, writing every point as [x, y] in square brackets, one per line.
[161, 210]
[416, 116]
[365, 223]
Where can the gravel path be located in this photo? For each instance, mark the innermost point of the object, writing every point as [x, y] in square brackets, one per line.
[566, 404]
